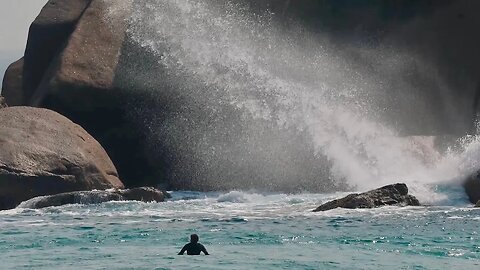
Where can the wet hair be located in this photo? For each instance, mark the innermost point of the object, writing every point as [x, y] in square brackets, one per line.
[194, 238]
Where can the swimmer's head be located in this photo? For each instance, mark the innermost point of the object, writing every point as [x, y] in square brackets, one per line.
[194, 238]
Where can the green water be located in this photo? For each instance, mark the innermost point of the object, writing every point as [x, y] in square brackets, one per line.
[241, 231]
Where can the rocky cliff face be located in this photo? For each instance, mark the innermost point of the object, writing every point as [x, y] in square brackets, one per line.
[76, 49]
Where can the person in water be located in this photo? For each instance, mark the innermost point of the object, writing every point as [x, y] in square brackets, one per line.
[193, 248]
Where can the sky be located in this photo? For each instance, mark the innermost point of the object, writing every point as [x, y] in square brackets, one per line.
[15, 19]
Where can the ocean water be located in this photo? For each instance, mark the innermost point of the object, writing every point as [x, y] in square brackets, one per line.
[241, 231]
[226, 78]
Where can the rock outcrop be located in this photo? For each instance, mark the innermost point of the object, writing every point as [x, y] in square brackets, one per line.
[472, 187]
[396, 194]
[75, 50]
[70, 65]
[143, 194]
[477, 204]
[44, 153]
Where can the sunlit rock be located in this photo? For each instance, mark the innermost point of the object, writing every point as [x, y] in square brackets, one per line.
[44, 153]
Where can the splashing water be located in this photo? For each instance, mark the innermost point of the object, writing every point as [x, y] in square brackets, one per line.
[243, 98]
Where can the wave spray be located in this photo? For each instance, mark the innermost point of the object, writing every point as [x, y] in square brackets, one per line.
[233, 99]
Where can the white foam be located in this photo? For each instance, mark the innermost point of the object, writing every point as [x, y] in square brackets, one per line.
[234, 197]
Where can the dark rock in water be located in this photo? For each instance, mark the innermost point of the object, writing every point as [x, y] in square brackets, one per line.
[472, 187]
[144, 194]
[44, 153]
[396, 194]
[3, 104]
[12, 86]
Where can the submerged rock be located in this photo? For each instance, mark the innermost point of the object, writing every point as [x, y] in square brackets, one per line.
[143, 194]
[396, 194]
[44, 153]
[472, 187]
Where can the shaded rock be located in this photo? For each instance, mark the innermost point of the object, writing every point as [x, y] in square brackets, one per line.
[3, 104]
[44, 153]
[12, 86]
[143, 194]
[472, 188]
[477, 204]
[46, 39]
[396, 194]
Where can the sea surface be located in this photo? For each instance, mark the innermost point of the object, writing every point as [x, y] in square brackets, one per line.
[241, 230]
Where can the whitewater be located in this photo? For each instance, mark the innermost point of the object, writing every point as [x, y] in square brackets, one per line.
[276, 121]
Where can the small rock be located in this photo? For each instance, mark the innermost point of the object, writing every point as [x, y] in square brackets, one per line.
[396, 194]
[12, 85]
[472, 187]
[3, 104]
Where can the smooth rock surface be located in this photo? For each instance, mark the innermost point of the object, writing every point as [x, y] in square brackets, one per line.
[12, 85]
[143, 194]
[396, 194]
[44, 153]
[82, 77]
[46, 39]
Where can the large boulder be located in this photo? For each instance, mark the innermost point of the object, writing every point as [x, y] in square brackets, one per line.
[472, 187]
[80, 85]
[46, 39]
[44, 153]
[70, 64]
[81, 78]
[396, 194]
[143, 194]
[12, 86]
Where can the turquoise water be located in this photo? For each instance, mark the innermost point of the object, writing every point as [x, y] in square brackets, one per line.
[241, 231]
